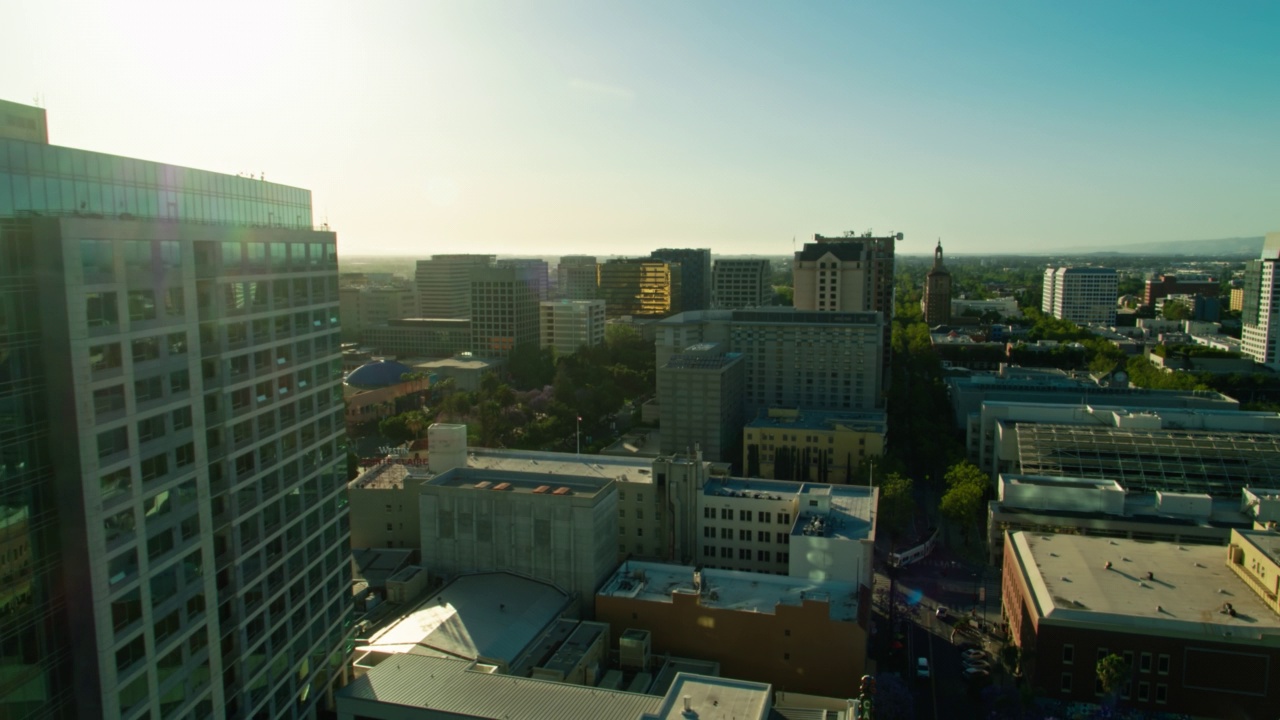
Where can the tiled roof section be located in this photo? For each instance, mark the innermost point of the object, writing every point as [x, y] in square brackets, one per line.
[451, 686]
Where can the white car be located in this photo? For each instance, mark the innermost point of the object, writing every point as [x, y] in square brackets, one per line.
[973, 655]
[922, 667]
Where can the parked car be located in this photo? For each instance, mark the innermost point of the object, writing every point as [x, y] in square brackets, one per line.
[976, 674]
[940, 613]
[973, 654]
[922, 667]
[978, 664]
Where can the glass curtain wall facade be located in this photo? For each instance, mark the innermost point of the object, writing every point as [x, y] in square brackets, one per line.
[50, 180]
[35, 650]
[177, 540]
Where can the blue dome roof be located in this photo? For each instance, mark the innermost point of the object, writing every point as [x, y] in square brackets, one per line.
[378, 373]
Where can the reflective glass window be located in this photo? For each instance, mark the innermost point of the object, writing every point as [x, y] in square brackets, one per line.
[100, 309]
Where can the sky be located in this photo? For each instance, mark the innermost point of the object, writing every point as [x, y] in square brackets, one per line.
[612, 128]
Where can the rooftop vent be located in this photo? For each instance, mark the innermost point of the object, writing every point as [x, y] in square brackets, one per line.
[541, 489]
[502, 486]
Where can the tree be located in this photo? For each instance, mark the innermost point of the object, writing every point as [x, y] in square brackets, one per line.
[1176, 311]
[897, 505]
[963, 502]
[1113, 673]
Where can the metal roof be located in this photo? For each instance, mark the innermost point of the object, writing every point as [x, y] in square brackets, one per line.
[451, 686]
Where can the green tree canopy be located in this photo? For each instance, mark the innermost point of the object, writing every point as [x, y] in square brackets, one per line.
[964, 500]
[897, 504]
[1113, 673]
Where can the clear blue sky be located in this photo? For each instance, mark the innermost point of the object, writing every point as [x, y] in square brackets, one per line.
[615, 128]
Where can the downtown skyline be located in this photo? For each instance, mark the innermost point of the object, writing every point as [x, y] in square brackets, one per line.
[564, 127]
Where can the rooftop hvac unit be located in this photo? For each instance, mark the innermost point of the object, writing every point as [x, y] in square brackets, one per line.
[634, 649]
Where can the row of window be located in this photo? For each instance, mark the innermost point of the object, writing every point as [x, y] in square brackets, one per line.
[763, 516]
[1144, 664]
[745, 554]
[102, 309]
[761, 536]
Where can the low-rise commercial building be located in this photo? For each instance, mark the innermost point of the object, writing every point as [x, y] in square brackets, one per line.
[799, 634]
[419, 337]
[741, 283]
[1197, 638]
[824, 446]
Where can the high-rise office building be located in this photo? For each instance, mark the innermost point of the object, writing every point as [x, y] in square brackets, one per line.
[567, 325]
[172, 458]
[937, 292]
[737, 284]
[1082, 295]
[577, 277]
[1260, 316]
[444, 284]
[504, 311]
[700, 400]
[365, 307]
[640, 287]
[848, 274]
[534, 272]
[792, 358]
[695, 275]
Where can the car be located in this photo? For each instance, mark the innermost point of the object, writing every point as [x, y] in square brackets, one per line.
[940, 613]
[973, 654]
[922, 667]
[978, 664]
[976, 674]
[967, 645]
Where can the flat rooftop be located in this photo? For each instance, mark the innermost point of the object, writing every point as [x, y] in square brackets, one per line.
[823, 420]
[517, 481]
[715, 699]
[850, 508]
[1071, 586]
[730, 589]
[1266, 542]
[492, 616]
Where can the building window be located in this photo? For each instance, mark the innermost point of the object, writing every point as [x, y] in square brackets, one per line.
[726, 552]
[784, 518]
[708, 532]
[762, 536]
[640, 532]
[709, 550]
[100, 309]
[744, 554]
[142, 305]
[709, 513]
[1162, 664]
[1144, 691]
[1162, 693]
[1102, 652]
[744, 535]
[744, 515]
[1068, 654]
[639, 514]
[726, 514]
[1145, 664]
[1066, 682]
[762, 556]
[764, 517]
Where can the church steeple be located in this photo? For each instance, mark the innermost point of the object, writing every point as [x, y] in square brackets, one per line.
[937, 255]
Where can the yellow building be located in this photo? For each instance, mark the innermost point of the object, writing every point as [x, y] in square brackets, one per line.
[640, 287]
[812, 445]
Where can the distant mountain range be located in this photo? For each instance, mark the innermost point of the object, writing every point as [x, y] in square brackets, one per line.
[1250, 246]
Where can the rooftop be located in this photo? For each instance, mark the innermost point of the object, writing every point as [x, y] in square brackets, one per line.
[460, 688]
[1267, 542]
[490, 616]
[730, 589]
[836, 511]
[873, 420]
[1183, 596]
[518, 481]
[714, 699]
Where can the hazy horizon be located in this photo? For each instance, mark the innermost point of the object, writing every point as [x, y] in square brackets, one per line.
[435, 127]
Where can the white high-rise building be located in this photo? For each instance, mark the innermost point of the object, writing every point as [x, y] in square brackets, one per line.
[1081, 295]
[172, 443]
[567, 325]
[1260, 317]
